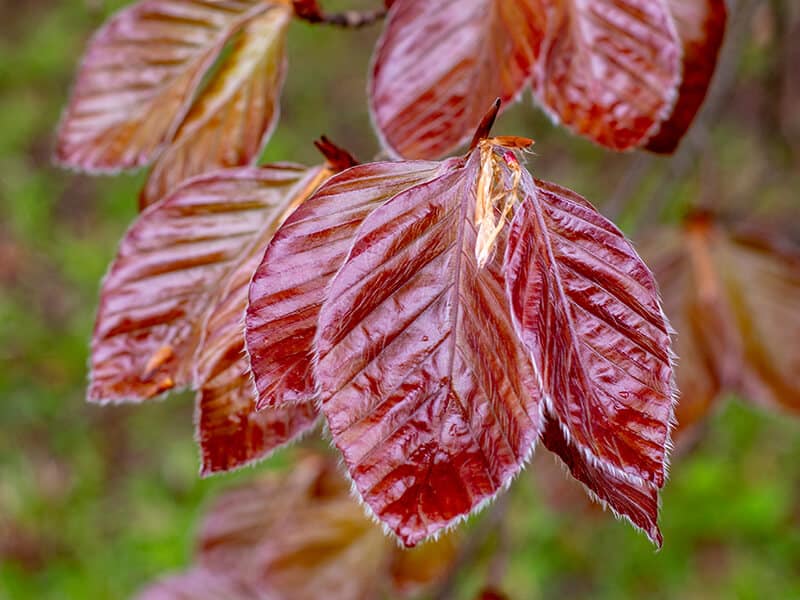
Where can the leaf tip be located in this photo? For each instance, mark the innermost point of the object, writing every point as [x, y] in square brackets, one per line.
[337, 157]
[486, 124]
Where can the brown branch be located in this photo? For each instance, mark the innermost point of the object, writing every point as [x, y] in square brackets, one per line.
[311, 12]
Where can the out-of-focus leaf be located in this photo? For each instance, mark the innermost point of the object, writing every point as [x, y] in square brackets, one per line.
[608, 69]
[587, 309]
[172, 268]
[701, 29]
[733, 296]
[138, 78]
[289, 286]
[414, 569]
[234, 114]
[440, 64]
[300, 535]
[427, 392]
[202, 584]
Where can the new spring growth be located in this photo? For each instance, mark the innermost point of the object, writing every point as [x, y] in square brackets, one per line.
[498, 190]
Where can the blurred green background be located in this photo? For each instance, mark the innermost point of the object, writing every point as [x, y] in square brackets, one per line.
[95, 502]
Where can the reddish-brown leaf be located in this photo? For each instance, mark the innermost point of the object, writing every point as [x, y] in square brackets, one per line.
[732, 296]
[426, 390]
[610, 69]
[233, 116]
[299, 536]
[230, 431]
[632, 498]
[171, 269]
[440, 64]
[138, 78]
[289, 286]
[701, 29]
[587, 309]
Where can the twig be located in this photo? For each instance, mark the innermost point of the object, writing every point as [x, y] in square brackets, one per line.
[469, 551]
[311, 12]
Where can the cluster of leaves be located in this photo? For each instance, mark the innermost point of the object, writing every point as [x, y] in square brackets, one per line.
[441, 316]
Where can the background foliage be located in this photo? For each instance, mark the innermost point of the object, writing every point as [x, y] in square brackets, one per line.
[94, 502]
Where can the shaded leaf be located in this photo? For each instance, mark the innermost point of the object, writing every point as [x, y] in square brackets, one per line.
[587, 309]
[289, 286]
[171, 269]
[701, 29]
[426, 390]
[733, 296]
[440, 64]
[138, 78]
[300, 535]
[631, 498]
[234, 114]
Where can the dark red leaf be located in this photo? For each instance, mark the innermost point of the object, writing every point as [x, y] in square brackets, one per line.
[701, 29]
[427, 392]
[289, 287]
[171, 269]
[139, 76]
[440, 64]
[233, 116]
[629, 497]
[587, 309]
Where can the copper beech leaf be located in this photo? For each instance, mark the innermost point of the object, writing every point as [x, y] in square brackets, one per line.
[440, 64]
[171, 270]
[289, 286]
[172, 308]
[234, 114]
[427, 392]
[301, 534]
[587, 309]
[607, 69]
[701, 29]
[732, 296]
[138, 78]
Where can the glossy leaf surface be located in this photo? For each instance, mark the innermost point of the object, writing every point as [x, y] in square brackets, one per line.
[733, 296]
[426, 390]
[234, 114]
[230, 431]
[440, 64]
[587, 309]
[298, 535]
[609, 69]
[171, 269]
[631, 498]
[289, 286]
[701, 29]
[138, 78]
